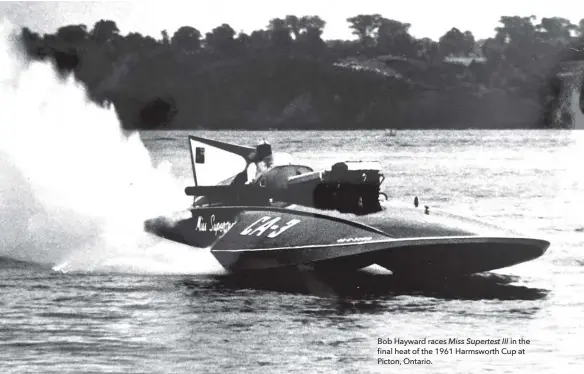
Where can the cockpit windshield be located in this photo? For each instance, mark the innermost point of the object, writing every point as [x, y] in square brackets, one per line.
[276, 159]
[268, 162]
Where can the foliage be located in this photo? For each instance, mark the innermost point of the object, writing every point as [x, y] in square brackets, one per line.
[287, 76]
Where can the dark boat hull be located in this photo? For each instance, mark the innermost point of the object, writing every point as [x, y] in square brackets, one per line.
[404, 240]
[458, 255]
[430, 256]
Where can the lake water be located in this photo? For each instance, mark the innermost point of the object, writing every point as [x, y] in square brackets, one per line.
[86, 292]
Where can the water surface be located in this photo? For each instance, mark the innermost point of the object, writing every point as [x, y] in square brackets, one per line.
[114, 317]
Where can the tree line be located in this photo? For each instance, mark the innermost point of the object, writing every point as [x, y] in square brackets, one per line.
[286, 76]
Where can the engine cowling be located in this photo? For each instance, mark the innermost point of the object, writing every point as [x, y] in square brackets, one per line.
[349, 187]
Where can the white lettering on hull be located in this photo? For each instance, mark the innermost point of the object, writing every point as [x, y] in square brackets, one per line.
[268, 223]
[210, 225]
[351, 240]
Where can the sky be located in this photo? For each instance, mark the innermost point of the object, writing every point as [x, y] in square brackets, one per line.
[429, 18]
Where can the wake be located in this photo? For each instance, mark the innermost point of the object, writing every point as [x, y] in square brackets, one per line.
[74, 190]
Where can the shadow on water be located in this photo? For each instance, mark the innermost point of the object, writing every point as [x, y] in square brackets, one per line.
[359, 287]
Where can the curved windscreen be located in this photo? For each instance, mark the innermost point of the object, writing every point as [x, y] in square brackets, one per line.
[277, 159]
[269, 162]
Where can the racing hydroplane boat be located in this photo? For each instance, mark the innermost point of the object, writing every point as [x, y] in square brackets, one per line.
[273, 213]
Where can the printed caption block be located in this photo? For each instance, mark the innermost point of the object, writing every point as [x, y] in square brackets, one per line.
[401, 351]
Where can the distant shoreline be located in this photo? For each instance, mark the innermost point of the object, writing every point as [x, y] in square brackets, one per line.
[287, 77]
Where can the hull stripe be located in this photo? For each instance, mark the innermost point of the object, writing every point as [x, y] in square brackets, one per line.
[410, 242]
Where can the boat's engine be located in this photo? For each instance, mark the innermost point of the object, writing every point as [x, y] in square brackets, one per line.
[349, 187]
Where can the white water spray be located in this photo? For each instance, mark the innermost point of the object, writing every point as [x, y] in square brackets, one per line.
[74, 191]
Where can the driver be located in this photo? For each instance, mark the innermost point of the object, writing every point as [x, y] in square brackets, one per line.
[262, 160]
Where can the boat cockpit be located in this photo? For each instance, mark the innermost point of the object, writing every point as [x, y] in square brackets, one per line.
[276, 178]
